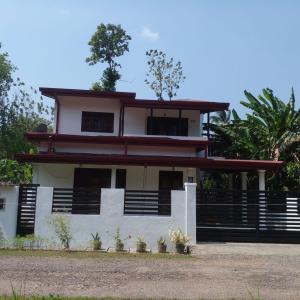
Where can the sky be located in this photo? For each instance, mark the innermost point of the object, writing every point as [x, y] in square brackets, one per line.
[225, 46]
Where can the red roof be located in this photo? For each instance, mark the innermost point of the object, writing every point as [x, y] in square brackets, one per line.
[53, 92]
[139, 160]
[128, 99]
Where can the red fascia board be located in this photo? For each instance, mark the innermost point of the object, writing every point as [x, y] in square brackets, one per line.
[53, 92]
[121, 140]
[128, 99]
[173, 161]
[204, 106]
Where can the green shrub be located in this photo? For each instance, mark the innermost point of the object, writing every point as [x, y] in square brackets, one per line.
[62, 229]
[12, 171]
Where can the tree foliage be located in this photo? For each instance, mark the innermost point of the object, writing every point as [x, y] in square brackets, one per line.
[164, 75]
[20, 111]
[270, 128]
[270, 131]
[12, 171]
[107, 43]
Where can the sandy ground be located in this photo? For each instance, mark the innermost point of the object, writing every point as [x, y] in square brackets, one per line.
[217, 271]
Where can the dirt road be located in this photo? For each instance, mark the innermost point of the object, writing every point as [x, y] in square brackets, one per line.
[208, 275]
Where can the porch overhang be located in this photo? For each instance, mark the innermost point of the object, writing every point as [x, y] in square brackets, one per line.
[139, 160]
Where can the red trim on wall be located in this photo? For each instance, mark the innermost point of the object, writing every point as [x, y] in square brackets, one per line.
[130, 140]
[173, 161]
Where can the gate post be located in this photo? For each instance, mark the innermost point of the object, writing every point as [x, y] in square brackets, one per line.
[190, 210]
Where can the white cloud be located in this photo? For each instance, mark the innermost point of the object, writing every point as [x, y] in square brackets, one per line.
[150, 35]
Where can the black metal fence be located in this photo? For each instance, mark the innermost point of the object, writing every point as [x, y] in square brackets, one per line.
[146, 202]
[26, 209]
[234, 215]
[76, 201]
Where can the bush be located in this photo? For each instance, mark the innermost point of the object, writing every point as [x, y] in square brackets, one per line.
[141, 244]
[28, 241]
[2, 239]
[97, 243]
[119, 246]
[12, 171]
[179, 239]
[161, 245]
[62, 230]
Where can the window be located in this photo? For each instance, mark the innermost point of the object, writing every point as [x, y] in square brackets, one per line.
[2, 203]
[167, 126]
[97, 122]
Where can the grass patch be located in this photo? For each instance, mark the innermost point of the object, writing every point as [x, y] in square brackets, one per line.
[91, 254]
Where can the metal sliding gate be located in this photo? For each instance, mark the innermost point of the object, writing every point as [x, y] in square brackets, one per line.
[248, 216]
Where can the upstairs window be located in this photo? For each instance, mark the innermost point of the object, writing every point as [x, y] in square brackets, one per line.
[167, 126]
[97, 122]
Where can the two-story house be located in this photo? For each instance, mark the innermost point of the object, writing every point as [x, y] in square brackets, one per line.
[111, 140]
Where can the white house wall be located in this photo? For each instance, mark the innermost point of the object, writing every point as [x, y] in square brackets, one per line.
[111, 217]
[137, 177]
[71, 109]
[8, 215]
[135, 122]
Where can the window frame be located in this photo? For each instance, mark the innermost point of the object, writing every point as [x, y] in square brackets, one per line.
[181, 126]
[94, 115]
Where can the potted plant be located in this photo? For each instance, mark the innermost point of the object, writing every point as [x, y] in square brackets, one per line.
[96, 242]
[161, 245]
[119, 243]
[179, 239]
[140, 244]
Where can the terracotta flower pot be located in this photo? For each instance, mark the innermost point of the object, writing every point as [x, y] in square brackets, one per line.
[180, 248]
[141, 247]
[162, 248]
[97, 245]
[119, 246]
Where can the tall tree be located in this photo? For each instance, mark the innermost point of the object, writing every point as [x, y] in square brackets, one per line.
[107, 43]
[20, 111]
[164, 75]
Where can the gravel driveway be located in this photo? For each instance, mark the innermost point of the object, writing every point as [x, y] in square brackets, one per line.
[214, 273]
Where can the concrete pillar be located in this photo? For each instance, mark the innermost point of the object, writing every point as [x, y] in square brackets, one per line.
[190, 210]
[261, 180]
[113, 178]
[244, 180]
[262, 199]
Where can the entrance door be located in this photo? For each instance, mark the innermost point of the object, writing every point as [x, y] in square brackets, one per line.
[87, 188]
[168, 180]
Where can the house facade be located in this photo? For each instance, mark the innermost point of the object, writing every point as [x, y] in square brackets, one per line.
[116, 161]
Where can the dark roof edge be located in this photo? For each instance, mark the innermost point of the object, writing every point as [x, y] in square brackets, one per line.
[52, 92]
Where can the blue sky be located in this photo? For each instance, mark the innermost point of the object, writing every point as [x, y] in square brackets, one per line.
[225, 46]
